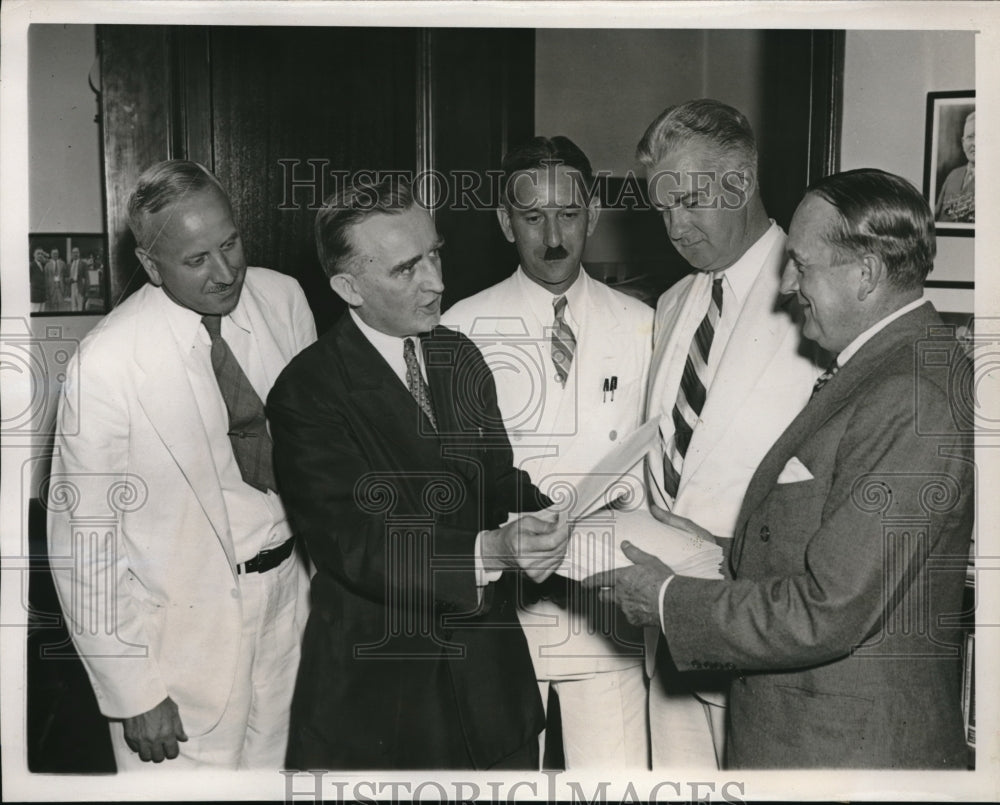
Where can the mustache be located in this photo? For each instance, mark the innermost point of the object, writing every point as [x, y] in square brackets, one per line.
[555, 253]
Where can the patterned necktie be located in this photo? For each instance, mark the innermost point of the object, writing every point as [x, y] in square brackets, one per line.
[691, 394]
[825, 378]
[247, 426]
[415, 382]
[563, 341]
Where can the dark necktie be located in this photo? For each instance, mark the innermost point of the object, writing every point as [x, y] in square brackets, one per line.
[825, 378]
[415, 382]
[247, 426]
[691, 394]
[563, 341]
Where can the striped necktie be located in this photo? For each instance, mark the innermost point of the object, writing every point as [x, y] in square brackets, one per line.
[563, 341]
[415, 382]
[247, 426]
[691, 394]
[825, 378]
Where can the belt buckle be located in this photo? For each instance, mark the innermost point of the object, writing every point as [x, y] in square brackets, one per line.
[261, 560]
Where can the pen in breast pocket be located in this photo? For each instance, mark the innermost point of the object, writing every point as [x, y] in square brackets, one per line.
[606, 389]
[614, 385]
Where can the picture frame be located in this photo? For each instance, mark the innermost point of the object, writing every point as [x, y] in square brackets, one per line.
[62, 288]
[949, 148]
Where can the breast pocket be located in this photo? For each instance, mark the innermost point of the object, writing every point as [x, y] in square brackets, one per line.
[797, 490]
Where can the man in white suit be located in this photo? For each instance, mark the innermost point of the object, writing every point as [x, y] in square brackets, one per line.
[76, 275]
[570, 357]
[185, 597]
[729, 370]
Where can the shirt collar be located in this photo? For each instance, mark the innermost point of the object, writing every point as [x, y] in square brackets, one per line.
[851, 349]
[742, 274]
[390, 347]
[540, 299]
[186, 323]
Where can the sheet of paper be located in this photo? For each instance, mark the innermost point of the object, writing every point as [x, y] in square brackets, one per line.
[599, 487]
[595, 545]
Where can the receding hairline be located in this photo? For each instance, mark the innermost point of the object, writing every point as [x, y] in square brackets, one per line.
[142, 216]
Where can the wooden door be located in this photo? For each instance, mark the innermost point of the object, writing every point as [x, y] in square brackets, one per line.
[276, 113]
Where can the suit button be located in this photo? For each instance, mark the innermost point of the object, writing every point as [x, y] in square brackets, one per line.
[234, 593]
[613, 435]
[765, 533]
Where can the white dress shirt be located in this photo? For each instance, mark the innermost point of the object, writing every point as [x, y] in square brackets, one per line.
[257, 519]
[390, 347]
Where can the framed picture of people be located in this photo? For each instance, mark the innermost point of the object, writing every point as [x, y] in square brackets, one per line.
[68, 274]
[950, 161]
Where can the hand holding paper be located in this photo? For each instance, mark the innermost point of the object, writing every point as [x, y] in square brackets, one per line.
[635, 589]
[534, 543]
[595, 544]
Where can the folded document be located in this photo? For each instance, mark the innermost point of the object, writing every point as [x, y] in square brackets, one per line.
[595, 545]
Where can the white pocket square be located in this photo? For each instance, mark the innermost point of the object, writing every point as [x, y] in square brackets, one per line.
[794, 472]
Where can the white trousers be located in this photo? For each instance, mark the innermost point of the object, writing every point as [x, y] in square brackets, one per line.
[686, 731]
[603, 719]
[253, 730]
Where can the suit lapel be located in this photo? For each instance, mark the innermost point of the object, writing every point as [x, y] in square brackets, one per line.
[668, 353]
[384, 400]
[272, 358]
[837, 393]
[165, 394]
[448, 376]
[742, 365]
[595, 357]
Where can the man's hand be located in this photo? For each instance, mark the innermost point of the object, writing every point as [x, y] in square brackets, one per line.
[636, 589]
[681, 523]
[533, 543]
[155, 733]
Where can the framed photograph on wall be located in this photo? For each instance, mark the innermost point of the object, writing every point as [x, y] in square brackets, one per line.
[950, 161]
[69, 274]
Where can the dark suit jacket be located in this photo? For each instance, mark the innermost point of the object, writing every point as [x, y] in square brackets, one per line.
[37, 281]
[834, 618]
[401, 667]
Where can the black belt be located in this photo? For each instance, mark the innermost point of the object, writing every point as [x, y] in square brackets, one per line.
[268, 559]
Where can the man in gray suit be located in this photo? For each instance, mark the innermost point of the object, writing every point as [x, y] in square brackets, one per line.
[852, 538]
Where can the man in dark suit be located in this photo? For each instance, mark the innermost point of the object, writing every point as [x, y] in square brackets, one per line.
[854, 531]
[37, 280]
[394, 464]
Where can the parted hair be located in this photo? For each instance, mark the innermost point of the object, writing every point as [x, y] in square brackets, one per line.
[161, 185]
[545, 152]
[883, 214]
[703, 120]
[349, 206]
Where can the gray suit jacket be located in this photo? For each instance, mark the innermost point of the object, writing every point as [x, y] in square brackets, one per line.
[837, 619]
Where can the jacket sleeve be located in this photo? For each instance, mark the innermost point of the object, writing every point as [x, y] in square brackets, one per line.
[87, 490]
[344, 487]
[854, 572]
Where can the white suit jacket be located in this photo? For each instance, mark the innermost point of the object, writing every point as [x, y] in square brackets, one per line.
[139, 537]
[558, 435]
[763, 380]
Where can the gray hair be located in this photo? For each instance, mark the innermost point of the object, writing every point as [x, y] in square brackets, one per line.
[701, 121]
[161, 185]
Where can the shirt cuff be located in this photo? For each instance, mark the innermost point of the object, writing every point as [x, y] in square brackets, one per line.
[663, 592]
[483, 576]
